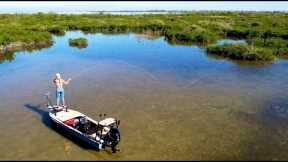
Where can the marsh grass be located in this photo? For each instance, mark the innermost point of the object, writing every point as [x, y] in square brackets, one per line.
[242, 52]
[264, 30]
[78, 42]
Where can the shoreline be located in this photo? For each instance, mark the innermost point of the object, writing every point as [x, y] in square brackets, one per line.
[23, 46]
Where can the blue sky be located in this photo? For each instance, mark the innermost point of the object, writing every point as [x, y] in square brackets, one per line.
[40, 6]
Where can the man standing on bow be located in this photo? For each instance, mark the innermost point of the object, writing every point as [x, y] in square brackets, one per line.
[59, 82]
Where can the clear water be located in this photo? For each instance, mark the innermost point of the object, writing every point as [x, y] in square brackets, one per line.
[174, 102]
[229, 41]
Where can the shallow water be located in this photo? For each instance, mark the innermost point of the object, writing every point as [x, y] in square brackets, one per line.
[174, 102]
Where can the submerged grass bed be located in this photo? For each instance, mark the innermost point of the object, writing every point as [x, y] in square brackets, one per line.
[266, 31]
[78, 42]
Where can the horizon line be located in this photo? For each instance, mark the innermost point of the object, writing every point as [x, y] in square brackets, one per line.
[147, 11]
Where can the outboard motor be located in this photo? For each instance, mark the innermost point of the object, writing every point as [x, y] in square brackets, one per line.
[114, 138]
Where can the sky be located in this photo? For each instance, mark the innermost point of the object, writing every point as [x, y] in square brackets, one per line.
[74, 6]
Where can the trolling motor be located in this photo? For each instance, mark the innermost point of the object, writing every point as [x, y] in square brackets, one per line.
[53, 107]
[49, 104]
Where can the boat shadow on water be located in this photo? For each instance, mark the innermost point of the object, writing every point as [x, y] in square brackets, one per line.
[49, 124]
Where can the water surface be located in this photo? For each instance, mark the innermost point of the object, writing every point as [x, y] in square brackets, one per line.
[174, 102]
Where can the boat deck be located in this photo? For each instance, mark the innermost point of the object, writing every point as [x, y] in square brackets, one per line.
[63, 115]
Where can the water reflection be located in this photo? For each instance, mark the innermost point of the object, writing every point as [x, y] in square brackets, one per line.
[10, 54]
[187, 43]
[150, 35]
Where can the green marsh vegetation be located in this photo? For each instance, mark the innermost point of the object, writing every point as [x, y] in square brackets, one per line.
[78, 42]
[242, 52]
[265, 32]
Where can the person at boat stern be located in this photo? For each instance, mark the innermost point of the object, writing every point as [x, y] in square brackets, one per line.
[59, 82]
